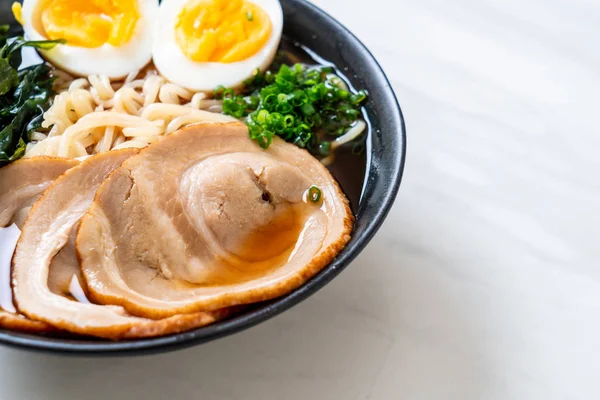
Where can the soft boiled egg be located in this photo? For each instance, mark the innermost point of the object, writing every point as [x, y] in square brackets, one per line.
[104, 37]
[201, 44]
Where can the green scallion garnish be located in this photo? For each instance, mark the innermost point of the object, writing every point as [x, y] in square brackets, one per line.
[303, 105]
[314, 194]
[249, 16]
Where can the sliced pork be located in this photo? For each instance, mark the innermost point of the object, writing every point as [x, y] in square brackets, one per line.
[206, 219]
[45, 240]
[21, 183]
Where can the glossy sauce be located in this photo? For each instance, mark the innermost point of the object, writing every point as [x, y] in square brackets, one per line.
[275, 237]
[266, 248]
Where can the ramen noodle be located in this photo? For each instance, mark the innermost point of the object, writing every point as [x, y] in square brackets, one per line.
[93, 115]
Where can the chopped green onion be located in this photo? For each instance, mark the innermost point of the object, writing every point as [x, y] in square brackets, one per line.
[358, 97]
[303, 105]
[219, 92]
[325, 148]
[314, 194]
[249, 16]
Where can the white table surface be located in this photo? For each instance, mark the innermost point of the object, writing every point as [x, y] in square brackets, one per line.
[484, 282]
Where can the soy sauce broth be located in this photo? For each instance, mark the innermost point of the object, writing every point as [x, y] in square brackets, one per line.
[350, 160]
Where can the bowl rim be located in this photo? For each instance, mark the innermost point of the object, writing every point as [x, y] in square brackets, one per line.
[273, 307]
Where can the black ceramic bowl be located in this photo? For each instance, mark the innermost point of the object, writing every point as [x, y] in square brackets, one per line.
[386, 147]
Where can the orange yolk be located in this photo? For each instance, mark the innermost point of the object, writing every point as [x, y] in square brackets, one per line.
[89, 23]
[223, 31]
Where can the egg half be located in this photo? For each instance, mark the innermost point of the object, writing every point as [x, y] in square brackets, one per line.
[200, 44]
[104, 37]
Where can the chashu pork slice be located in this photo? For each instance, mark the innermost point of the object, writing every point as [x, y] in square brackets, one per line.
[46, 234]
[21, 183]
[9, 317]
[206, 219]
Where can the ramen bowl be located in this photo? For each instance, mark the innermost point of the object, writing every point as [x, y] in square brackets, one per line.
[371, 187]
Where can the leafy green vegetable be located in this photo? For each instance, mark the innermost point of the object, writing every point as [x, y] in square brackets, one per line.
[4, 29]
[8, 76]
[303, 105]
[19, 42]
[12, 53]
[24, 95]
[24, 110]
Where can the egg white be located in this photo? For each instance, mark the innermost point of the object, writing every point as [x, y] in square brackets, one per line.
[174, 65]
[114, 62]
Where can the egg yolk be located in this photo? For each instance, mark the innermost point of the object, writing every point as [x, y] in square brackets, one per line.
[89, 23]
[17, 11]
[223, 31]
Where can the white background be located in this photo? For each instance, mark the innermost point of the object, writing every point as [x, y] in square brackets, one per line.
[484, 282]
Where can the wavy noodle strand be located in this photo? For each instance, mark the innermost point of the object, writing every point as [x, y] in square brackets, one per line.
[93, 115]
